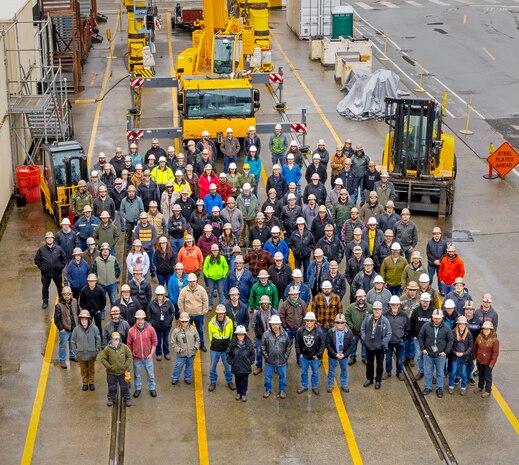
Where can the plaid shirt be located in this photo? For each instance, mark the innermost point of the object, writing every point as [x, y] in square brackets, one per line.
[326, 313]
[258, 261]
[225, 191]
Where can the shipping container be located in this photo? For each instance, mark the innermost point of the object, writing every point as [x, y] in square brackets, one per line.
[311, 18]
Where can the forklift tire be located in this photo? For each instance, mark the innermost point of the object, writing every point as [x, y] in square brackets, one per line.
[455, 167]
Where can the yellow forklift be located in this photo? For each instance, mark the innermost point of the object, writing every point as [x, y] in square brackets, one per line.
[64, 164]
[419, 157]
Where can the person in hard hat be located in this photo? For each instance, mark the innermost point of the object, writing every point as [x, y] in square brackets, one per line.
[355, 314]
[147, 234]
[317, 268]
[276, 244]
[148, 190]
[301, 242]
[293, 151]
[162, 173]
[117, 161]
[94, 184]
[86, 344]
[155, 149]
[206, 179]
[251, 140]
[414, 270]
[360, 162]
[399, 322]
[326, 305]
[389, 218]
[300, 285]
[185, 342]
[316, 187]
[276, 181]
[117, 358]
[136, 157]
[275, 349]
[486, 352]
[142, 341]
[451, 267]
[316, 167]
[177, 226]
[436, 250]
[292, 172]
[116, 324]
[271, 219]
[255, 164]
[421, 314]
[65, 319]
[424, 284]
[233, 215]
[365, 278]
[436, 342]
[392, 269]
[339, 344]
[337, 163]
[84, 227]
[93, 298]
[371, 177]
[152, 164]
[230, 148]
[220, 330]
[106, 232]
[234, 179]
[292, 311]
[409, 300]
[384, 189]
[263, 287]
[330, 244]
[461, 355]
[108, 176]
[311, 209]
[140, 287]
[290, 213]
[240, 278]
[237, 310]
[66, 238]
[161, 315]
[76, 272]
[194, 300]
[138, 175]
[260, 324]
[227, 241]
[137, 256]
[131, 208]
[280, 273]
[79, 199]
[215, 270]
[190, 256]
[192, 153]
[324, 155]
[357, 240]
[278, 145]
[323, 218]
[309, 344]
[333, 197]
[205, 143]
[165, 260]
[379, 293]
[406, 233]
[258, 259]
[371, 208]
[91, 252]
[240, 356]
[108, 270]
[50, 259]
[260, 230]
[127, 304]
[460, 295]
[213, 198]
[383, 248]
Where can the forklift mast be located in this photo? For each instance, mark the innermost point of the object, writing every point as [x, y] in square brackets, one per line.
[415, 135]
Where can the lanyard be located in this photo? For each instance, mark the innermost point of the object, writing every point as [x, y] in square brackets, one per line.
[436, 334]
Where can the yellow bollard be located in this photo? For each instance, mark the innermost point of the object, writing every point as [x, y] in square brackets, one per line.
[420, 88]
[444, 106]
[467, 131]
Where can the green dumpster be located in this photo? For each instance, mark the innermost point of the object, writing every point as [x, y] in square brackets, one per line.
[342, 21]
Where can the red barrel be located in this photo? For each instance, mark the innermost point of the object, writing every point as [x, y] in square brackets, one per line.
[28, 180]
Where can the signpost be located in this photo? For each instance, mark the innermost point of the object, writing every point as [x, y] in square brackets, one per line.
[504, 159]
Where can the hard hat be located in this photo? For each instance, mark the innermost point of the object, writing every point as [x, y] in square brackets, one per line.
[312, 197]
[199, 202]
[91, 277]
[321, 142]
[227, 226]
[232, 166]
[290, 156]
[179, 173]
[390, 203]
[65, 221]
[163, 158]
[277, 126]
[310, 316]
[300, 220]
[264, 299]
[372, 220]
[297, 273]
[137, 269]
[86, 208]
[275, 230]
[293, 143]
[276, 167]
[252, 128]
[291, 196]
[115, 335]
[246, 187]
[253, 148]
[228, 130]
[328, 227]
[220, 309]
[412, 285]
[322, 209]
[347, 141]
[354, 210]
[115, 310]
[66, 290]
[395, 300]
[215, 247]
[338, 181]
[359, 147]
[105, 246]
[207, 228]
[449, 303]
[133, 145]
[416, 254]
[348, 161]
[424, 278]
[293, 290]
[263, 274]
[140, 314]
[360, 293]
[437, 313]
[274, 320]
[171, 149]
[357, 249]
[142, 216]
[378, 279]
[278, 256]
[357, 231]
[368, 261]
[315, 177]
[138, 166]
[216, 208]
[160, 290]
[212, 186]
[184, 316]
[487, 325]
[326, 285]
[377, 305]
[236, 249]
[436, 229]
[81, 183]
[125, 287]
[153, 204]
[240, 329]
[339, 147]
[256, 242]
[189, 237]
[223, 175]
[459, 280]
[405, 211]
[395, 246]
[105, 214]
[373, 194]
[318, 253]
[205, 134]
[468, 304]
[384, 174]
[90, 241]
[49, 234]
[234, 291]
[246, 166]
[192, 277]
[461, 320]
[340, 318]
[84, 314]
[425, 296]
[77, 251]
[238, 259]
[94, 174]
[316, 156]
[176, 207]
[208, 166]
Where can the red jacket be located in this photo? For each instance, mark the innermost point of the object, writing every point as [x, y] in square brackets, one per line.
[141, 343]
[225, 190]
[486, 352]
[450, 269]
[204, 182]
[205, 244]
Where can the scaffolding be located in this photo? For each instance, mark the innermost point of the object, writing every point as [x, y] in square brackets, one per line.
[38, 105]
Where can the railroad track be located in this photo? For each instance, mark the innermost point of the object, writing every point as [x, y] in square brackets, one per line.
[117, 433]
[431, 425]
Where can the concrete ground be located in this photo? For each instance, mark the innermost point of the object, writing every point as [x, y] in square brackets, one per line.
[303, 429]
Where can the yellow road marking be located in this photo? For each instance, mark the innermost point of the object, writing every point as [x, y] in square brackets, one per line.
[203, 453]
[492, 57]
[506, 409]
[37, 406]
[307, 90]
[108, 72]
[94, 77]
[172, 72]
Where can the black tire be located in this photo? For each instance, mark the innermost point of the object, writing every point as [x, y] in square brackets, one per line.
[455, 167]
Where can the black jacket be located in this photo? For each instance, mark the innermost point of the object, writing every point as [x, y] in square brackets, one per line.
[318, 224]
[310, 344]
[318, 190]
[436, 250]
[278, 184]
[353, 267]
[276, 350]
[188, 207]
[50, 260]
[68, 242]
[163, 264]
[261, 234]
[419, 317]
[281, 278]
[93, 300]
[338, 283]
[161, 316]
[400, 326]
[102, 205]
[128, 309]
[118, 196]
[239, 315]
[347, 342]
[241, 357]
[141, 292]
[465, 345]
[320, 170]
[443, 340]
[288, 218]
[333, 249]
[302, 245]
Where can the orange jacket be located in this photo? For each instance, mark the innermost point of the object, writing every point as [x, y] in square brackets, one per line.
[450, 269]
[191, 259]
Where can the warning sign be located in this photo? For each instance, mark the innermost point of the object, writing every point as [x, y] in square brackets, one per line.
[504, 159]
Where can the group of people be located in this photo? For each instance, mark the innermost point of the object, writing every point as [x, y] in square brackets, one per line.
[185, 228]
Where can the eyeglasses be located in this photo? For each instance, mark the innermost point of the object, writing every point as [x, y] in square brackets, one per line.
[118, 183]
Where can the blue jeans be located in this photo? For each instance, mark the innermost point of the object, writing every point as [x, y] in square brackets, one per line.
[163, 342]
[278, 158]
[433, 364]
[409, 349]
[151, 253]
[64, 340]
[399, 349]
[456, 367]
[304, 263]
[259, 357]
[227, 161]
[353, 353]
[314, 365]
[332, 366]
[282, 374]
[291, 334]
[179, 364]
[420, 356]
[176, 245]
[215, 357]
[164, 279]
[147, 364]
[214, 285]
[120, 219]
[112, 292]
[445, 288]
[199, 324]
[395, 290]
[432, 270]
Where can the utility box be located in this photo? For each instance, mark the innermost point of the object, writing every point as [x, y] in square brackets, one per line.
[342, 21]
[311, 18]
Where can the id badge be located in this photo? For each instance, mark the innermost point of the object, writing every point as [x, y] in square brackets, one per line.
[434, 349]
[161, 317]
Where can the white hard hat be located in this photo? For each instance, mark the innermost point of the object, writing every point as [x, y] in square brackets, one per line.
[276, 167]
[425, 296]
[229, 130]
[278, 256]
[94, 174]
[424, 278]
[377, 305]
[395, 300]
[274, 320]
[65, 221]
[300, 220]
[293, 143]
[372, 220]
[160, 290]
[133, 145]
[253, 148]
[309, 316]
[338, 181]
[396, 246]
[205, 134]
[212, 186]
[240, 329]
[275, 230]
[316, 156]
[179, 173]
[162, 159]
[278, 126]
[297, 273]
[290, 156]
[437, 313]
[252, 128]
[291, 197]
[326, 285]
[378, 279]
[246, 187]
[232, 166]
[449, 303]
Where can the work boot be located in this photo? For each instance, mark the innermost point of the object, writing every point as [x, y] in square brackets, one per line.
[386, 375]
[400, 376]
[485, 395]
[315, 391]
[418, 376]
[174, 382]
[329, 390]
[463, 392]
[63, 365]
[471, 381]
[378, 385]
[159, 358]
[203, 348]
[244, 398]
[44, 305]
[439, 393]
[187, 381]
[237, 396]
[257, 371]
[231, 386]
[91, 387]
[137, 393]
[128, 403]
[301, 390]
[212, 387]
[85, 387]
[411, 362]
[367, 383]
[153, 393]
[352, 361]
[282, 395]
[426, 391]
[451, 390]
[364, 361]
[266, 394]
[345, 388]
[167, 357]
[110, 403]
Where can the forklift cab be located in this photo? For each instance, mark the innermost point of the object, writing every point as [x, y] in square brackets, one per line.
[226, 53]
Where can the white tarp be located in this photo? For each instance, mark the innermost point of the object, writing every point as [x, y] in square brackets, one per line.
[366, 92]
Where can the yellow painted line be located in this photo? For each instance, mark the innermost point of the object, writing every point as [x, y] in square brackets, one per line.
[465, 19]
[172, 72]
[344, 418]
[201, 428]
[307, 90]
[94, 77]
[97, 115]
[506, 409]
[37, 406]
[492, 57]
